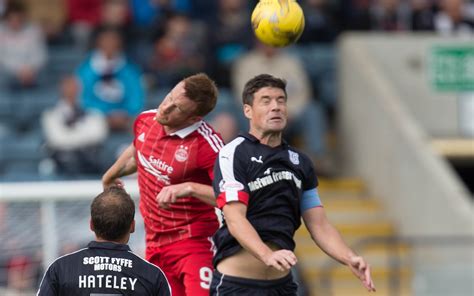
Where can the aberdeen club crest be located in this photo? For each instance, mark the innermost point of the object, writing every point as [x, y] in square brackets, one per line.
[181, 154]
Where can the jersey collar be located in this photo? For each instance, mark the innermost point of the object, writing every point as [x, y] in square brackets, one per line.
[108, 246]
[183, 133]
[253, 139]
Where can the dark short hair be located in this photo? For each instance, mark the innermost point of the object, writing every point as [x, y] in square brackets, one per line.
[260, 81]
[14, 7]
[112, 214]
[203, 91]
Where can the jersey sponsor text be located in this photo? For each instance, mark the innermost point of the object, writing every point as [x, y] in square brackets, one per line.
[274, 177]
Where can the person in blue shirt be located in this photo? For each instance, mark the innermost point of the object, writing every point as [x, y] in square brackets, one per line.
[111, 83]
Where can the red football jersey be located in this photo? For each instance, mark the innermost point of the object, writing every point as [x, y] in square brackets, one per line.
[186, 155]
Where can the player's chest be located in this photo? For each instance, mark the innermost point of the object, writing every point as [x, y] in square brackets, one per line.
[275, 170]
[168, 159]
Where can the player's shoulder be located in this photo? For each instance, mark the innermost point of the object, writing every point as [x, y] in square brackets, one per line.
[299, 158]
[70, 258]
[145, 115]
[209, 138]
[298, 153]
[230, 148]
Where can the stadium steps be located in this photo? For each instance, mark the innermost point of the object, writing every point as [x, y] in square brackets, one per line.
[358, 217]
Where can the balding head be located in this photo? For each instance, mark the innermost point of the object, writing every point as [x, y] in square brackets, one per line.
[112, 215]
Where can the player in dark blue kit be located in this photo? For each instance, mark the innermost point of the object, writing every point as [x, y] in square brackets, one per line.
[106, 266]
[264, 187]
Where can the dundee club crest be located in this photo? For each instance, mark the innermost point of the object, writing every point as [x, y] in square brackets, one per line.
[294, 157]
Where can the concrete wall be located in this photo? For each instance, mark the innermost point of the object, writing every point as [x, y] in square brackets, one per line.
[404, 61]
[385, 124]
[386, 145]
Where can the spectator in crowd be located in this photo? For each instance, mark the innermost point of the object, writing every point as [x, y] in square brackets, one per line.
[22, 48]
[230, 37]
[50, 15]
[73, 136]
[112, 221]
[226, 125]
[390, 15]
[453, 19]
[83, 16]
[110, 82]
[321, 25]
[422, 15]
[178, 52]
[3, 3]
[147, 13]
[86, 17]
[305, 114]
[356, 15]
[21, 274]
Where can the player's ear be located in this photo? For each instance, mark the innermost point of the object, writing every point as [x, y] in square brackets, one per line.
[91, 226]
[132, 227]
[248, 111]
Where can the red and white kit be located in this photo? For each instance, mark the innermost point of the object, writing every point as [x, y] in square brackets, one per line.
[187, 155]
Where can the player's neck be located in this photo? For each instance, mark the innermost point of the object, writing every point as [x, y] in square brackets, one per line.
[272, 139]
[122, 241]
[170, 130]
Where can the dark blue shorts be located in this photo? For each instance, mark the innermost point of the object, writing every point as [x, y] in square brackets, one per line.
[224, 285]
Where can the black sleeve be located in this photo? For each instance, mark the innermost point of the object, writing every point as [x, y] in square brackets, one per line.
[49, 283]
[310, 180]
[162, 286]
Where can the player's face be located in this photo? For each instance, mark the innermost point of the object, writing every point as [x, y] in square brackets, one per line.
[268, 112]
[176, 111]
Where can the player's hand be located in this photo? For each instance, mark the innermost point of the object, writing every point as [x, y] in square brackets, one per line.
[281, 260]
[107, 183]
[361, 269]
[170, 194]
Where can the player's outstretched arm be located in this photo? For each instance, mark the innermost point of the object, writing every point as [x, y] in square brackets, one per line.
[170, 194]
[124, 166]
[326, 236]
[248, 238]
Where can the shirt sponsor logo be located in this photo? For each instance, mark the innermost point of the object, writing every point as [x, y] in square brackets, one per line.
[230, 186]
[294, 157]
[260, 183]
[181, 154]
[156, 167]
[107, 281]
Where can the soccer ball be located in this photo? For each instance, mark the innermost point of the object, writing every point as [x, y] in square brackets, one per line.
[278, 22]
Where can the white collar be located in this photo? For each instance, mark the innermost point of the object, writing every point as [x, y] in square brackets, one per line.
[183, 133]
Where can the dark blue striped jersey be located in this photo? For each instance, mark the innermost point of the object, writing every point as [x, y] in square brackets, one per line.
[103, 268]
[271, 182]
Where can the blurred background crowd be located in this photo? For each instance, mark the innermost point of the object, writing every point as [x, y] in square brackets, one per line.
[75, 73]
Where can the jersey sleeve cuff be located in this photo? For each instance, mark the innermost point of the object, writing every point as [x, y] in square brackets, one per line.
[230, 196]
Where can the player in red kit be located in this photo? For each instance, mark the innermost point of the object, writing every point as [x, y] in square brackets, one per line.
[174, 152]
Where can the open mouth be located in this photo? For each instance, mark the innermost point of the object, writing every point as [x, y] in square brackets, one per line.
[276, 118]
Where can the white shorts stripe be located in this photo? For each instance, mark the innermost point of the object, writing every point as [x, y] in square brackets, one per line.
[220, 284]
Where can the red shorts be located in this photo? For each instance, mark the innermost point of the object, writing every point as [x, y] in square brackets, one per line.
[187, 264]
